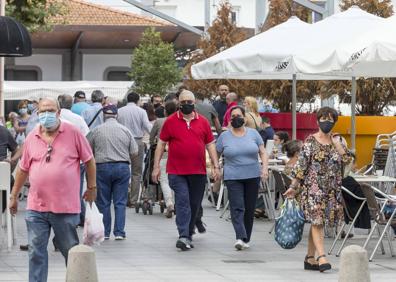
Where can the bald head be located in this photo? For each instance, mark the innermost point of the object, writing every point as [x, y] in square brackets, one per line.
[48, 102]
[186, 95]
[231, 97]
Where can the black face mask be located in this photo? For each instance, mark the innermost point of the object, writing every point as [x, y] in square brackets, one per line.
[187, 108]
[237, 122]
[326, 126]
[157, 105]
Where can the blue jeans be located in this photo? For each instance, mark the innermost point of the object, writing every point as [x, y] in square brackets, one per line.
[113, 181]
[39, 227]
[82, 177]
[242, 194]
[189, 191]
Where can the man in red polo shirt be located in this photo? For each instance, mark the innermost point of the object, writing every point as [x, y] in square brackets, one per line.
[187, 134]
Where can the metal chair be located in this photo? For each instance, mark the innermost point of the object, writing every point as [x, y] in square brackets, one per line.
[376, 201]
[351, 219]
[6, 221]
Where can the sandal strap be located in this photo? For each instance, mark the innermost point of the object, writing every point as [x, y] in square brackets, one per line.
[319, 257]
[308, 257]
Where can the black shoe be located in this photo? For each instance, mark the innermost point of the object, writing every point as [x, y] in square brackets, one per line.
[343, 233]
[310, 266]
[183, 244]
[324, 266]
[200, 226]
[24, 247]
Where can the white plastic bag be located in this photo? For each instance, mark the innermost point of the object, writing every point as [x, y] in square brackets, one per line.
[93, 226]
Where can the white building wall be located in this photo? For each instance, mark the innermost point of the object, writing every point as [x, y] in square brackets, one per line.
[94, 65]
[192, 12]
[50, 65]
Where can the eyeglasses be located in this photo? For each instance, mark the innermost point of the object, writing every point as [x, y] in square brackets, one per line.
[185, 102]
[48, 156]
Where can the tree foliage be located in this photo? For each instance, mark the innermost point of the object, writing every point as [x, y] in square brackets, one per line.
[375, 94]
[154, 67]
[224, 34]
[35, 15]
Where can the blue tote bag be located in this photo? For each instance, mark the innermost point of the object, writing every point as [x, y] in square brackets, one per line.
[289, 226]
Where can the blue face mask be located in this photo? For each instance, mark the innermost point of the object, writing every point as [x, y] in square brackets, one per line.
[31, 107]
[48, 119]
[22, 111]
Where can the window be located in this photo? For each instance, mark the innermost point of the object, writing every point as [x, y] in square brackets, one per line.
[235, 13]
[117, 74]
[21, 74]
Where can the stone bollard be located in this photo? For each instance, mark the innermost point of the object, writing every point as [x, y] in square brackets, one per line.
[354, 265]
[81, 265]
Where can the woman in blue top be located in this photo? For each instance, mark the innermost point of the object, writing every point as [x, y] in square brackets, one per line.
[240, 147]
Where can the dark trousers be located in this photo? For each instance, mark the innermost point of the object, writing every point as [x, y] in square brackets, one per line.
[189, 191]
[112, 180]
[242, 195]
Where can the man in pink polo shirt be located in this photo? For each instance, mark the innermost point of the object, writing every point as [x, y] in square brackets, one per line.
[51, 158]
[188, 135]
[232, 101]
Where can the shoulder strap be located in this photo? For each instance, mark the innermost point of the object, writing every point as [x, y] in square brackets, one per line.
[254, 120]
[96, 115]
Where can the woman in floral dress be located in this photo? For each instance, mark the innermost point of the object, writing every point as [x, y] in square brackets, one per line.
[317, 179]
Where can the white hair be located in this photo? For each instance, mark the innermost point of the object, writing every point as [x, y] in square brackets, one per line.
[188, 94]
[51, 99]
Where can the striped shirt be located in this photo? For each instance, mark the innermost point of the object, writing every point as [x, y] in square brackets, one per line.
[112, 142]
[135, 119]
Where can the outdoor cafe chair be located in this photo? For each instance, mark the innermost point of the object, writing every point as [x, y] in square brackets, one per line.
[376, 201]
[352, 220]
[6, 220]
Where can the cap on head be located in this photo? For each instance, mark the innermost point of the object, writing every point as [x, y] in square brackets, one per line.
[80, 95]
[110, 109]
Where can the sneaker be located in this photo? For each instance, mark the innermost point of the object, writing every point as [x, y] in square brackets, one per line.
[183, 244]
[240, 245]
[119, 238]
[201, 227]
[107, 238]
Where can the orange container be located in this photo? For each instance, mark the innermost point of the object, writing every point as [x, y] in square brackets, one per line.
[367, 130]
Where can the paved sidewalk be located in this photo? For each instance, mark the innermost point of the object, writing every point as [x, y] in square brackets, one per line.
[149, 254]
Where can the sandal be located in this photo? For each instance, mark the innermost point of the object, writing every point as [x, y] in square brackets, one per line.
[324, 266]
[310, 266]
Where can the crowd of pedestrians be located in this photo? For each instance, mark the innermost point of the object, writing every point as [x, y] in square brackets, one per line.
[104, 145]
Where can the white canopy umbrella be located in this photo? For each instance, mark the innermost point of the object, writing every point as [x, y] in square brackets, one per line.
[263, 60]
[18, 90]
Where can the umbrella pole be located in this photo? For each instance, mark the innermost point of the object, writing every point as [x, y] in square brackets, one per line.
[2, 13]
[353, 115]
[294, 107]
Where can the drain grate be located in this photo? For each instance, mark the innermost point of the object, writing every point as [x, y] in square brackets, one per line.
[244, 261]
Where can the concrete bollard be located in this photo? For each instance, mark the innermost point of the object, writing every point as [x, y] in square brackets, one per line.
[354, 265]
[81, 265]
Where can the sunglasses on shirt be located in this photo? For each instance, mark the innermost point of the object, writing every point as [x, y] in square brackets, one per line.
[48, 156]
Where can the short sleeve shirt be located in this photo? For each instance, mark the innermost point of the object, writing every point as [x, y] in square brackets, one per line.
[240, 154]
[187, 144]
[55, 185]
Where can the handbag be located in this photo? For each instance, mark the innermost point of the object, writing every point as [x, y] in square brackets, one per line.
[289, 226]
